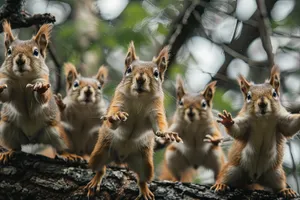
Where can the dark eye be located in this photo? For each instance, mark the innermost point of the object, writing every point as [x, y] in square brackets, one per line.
[99, 86]
[203, 104]
[274, 94]
[128, 71]
[249, 97]
[9, 51]
[156, 74]
[180, 102]
[35, 52]
[76, 84]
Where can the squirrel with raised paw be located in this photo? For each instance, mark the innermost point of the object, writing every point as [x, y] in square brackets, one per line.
[195, 124]
[82, 109]
[136, 112]
[259, 131]
[29, 114]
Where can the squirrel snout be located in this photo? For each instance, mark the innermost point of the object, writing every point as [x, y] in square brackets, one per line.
[20, 61]
[262, 104]
[88, 92]
[191, 113]
[140, 80]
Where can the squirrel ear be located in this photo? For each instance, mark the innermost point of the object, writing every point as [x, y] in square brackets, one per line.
[244, 84]
[102, 74]
[42, 38]
[180, 91]
[8, 36]
[275, 78]
[210, 91]
[70, 73]
[162, 61]
[131, 55]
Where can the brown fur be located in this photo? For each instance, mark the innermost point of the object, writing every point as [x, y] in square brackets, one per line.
[265, 134]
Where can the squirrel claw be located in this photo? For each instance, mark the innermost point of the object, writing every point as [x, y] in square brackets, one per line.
[214, 141]
[4, 157]
[287, 193]
[39, 87]
[169, 136]
[68, 157]
[119, 116]
[226, 119]
[59, 101]
[220, 187]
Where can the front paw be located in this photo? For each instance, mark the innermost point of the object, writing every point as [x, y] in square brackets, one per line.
[39, 87]
[3, 87]
[214, 141]
[226, 119]
[287, 193]
[59, 102]
[168, 135]
[118, 117]
[220, 187]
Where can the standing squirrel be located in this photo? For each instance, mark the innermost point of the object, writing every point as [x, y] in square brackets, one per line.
[195, 124]
[259, 131]
[135, 112]
[82, 109]
[29, 114]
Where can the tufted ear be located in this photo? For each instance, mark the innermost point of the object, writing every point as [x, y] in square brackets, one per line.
[180, 91]
[210, 91]
[275, 78]
[42, 38]
[8, 36]
[162, 61]
[102, 75]
[131, 55]
[70, 73]
[244, 84]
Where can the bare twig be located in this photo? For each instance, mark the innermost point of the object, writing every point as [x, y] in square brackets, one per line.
[265, 30]
[58, 67]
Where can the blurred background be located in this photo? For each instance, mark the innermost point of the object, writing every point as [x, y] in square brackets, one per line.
[208, 39]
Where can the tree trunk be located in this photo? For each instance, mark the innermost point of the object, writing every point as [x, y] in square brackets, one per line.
[28, 176]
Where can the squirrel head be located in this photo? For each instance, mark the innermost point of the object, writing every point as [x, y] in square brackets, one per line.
[26, 58]
[83, 90]
[262, 99]
[142, 78]
[194, 107]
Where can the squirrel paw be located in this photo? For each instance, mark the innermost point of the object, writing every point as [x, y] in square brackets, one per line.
[168, 135]
[118, 116]
[68, 157]
[4, 157]
[39, 87]
[147, 194]
[3, 87]
[93, 186]
[214, 141]
[287, 193]
[220, 187]
[226, 119]
[59, 101]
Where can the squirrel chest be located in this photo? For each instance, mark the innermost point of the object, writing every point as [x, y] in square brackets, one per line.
[260, 152]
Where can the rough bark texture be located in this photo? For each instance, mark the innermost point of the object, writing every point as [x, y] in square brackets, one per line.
[28, 176]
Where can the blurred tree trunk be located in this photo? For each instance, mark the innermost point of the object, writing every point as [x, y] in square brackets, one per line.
[28, 176]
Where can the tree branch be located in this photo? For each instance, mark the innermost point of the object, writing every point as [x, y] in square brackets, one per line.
[265, 31]
[28, 176]
[12, 11]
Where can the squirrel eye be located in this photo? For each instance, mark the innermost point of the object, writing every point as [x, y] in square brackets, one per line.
[203, 104]
[9, 51]
[180, 102]
[249, 97]
[75, 84]
[128, 71]
[274, 94]
[35, 52]
[156, 73]
[99, 86]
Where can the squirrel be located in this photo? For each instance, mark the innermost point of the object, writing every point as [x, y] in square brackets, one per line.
[136, 114]
[82, 109]
[196, 125]
[29, 114]
[259, 131]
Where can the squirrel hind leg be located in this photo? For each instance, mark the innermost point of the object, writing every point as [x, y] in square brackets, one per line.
[94, 185]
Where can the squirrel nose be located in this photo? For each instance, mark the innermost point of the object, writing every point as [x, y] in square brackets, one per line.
[191, 114]
[262, 105]
[88, 92]
[140, 81]
[20, 61]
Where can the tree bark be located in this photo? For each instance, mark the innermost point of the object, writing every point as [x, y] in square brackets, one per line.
[28, 176]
